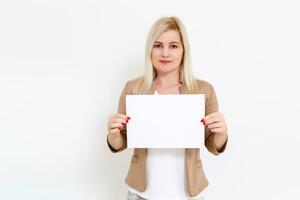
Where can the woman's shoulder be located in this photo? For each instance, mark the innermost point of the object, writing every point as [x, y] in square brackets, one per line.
[211, 100]
[130, 84]
[135, 80]
[202, 82]
[204, 86]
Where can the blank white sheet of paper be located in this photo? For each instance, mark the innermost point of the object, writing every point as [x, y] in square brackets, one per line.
[165, 121]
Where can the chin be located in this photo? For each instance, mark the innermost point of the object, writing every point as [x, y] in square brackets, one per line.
[163, 69]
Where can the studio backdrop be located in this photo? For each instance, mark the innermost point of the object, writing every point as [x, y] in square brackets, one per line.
[63, 65]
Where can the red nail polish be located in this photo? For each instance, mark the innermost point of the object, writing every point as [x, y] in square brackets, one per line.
[123, 123]
[128, 117]
[126, 120]
[202, 120]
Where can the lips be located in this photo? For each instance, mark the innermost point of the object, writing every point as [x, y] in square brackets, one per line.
[165, 61]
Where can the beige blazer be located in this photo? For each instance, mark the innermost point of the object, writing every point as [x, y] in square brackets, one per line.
[196, 179]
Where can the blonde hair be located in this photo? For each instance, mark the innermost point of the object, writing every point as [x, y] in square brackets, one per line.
[186, 74]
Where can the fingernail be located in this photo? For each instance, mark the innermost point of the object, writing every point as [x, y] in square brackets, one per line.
[202, 120]
[126, 120]
[123, 123]
[119, 128]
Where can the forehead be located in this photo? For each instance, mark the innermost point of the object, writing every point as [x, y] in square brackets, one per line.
[169, 36]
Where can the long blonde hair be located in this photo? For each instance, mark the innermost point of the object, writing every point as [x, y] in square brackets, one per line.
[186, 74]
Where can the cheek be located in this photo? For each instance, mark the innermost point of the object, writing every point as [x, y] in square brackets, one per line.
[178, 55]
[154, 55]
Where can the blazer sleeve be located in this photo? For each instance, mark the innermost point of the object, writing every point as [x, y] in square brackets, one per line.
[211, 106]
[122, 110]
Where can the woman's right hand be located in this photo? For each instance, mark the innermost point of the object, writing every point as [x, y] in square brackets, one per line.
[116, 123]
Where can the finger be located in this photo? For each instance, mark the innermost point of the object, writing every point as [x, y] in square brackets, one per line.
[213, 120]
[216, 125]
[116, 125]
[120, 119]
[117, 120]
[218, 130]
[212, 115]
[120, 115]
[115, 131]
[111, 125]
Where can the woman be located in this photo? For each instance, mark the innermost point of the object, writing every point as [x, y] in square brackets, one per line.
[168, 71]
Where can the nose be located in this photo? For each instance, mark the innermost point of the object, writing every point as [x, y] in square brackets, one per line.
[165, 52]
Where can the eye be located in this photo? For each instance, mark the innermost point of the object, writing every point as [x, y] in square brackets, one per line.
[157, 46]
[174, 46]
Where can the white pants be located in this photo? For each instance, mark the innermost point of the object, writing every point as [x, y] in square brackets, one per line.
[133, 196]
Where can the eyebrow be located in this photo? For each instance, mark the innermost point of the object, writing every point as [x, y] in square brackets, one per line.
[169, 42]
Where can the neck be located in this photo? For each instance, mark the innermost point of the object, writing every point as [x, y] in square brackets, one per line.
[168, 79]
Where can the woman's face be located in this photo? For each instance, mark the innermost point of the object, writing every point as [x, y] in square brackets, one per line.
[167, 52]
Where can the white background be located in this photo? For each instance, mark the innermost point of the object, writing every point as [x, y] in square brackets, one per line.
[63, 65]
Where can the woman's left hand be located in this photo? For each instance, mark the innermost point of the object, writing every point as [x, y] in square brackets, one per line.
[215, 122]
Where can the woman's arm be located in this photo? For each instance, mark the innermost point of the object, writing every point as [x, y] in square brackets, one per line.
[118, 141]
[220, 139]
[215, 126]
